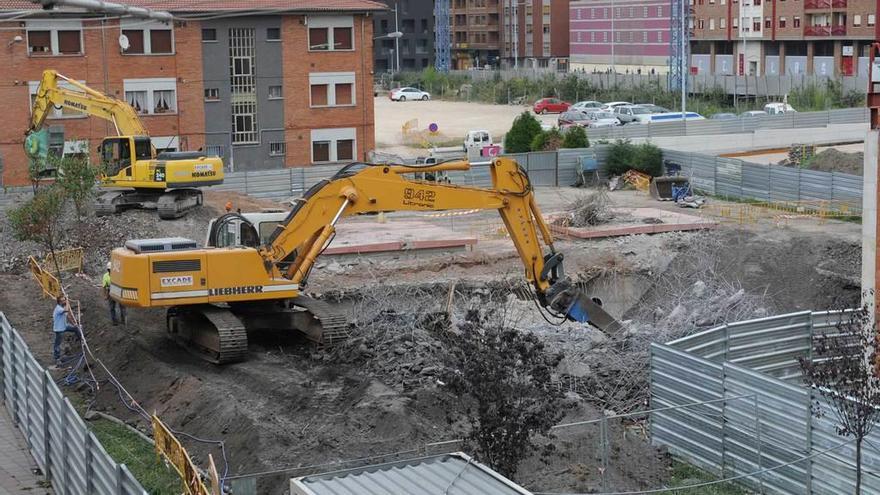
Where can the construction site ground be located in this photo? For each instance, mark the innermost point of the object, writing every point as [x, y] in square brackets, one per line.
[291, 405]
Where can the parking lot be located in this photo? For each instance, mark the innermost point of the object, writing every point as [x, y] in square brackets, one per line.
[453, 119]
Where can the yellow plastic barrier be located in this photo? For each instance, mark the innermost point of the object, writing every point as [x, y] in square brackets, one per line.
[68, 260]
[169, 447]
[48, 282]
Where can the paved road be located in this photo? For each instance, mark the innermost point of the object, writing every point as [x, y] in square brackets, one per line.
[16, 463]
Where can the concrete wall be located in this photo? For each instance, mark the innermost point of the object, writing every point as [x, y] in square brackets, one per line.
[269, 69]
[869, 217]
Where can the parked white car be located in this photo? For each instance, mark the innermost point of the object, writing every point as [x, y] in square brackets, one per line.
[586, 105]
[603, 119]
[611, 105]
[403, 94]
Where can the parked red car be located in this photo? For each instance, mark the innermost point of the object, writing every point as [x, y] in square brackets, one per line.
[551, 105]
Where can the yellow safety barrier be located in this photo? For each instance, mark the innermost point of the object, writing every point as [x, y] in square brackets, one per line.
[781, 212]
[640, 181]
[68, 260]
[168, 446]
[48, 282]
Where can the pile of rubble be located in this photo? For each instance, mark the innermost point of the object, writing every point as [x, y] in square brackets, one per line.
[587, 210]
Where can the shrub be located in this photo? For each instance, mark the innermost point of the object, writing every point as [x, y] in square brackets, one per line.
[575, 137]
[521, 134]
[547, 140]
[624, 155]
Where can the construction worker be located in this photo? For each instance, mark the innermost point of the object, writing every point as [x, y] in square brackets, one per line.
[61, 324]
[105, 283]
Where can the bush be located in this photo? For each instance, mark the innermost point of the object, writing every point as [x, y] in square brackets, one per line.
[575, 137]
[623, 156]
[521, 134]
[547, 140]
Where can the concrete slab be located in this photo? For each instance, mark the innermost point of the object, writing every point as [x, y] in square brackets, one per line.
[372, 234]
[660, 221]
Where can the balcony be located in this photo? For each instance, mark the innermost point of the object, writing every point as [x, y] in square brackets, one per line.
[824, 4]
[825, 30]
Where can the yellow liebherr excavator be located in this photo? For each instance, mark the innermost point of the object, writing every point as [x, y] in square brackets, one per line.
[215, 295]
[165, 182]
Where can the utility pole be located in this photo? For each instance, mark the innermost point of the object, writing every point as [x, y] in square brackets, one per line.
[685, 37]
[515, 34]
[613, 69]
[397, 39]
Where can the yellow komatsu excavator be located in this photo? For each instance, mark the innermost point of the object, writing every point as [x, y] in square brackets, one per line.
[215, 295]
[141, 178]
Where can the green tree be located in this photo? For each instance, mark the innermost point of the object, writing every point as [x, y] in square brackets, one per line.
[521, 134]
[38, 219]
[624, 155]
[77, 178]
[575, 137]
[547, 140]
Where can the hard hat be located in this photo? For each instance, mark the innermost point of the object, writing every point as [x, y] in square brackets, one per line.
[109, 265]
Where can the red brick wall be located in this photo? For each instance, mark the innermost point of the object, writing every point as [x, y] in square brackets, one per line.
[298, 62]
[186, 66]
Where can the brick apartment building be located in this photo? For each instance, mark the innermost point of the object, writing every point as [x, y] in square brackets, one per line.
[415, 19]
[526, 33]
[536, 33]
[621, 35]
[291, 87]
[772, 37]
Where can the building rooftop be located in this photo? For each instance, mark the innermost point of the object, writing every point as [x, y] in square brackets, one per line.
[445, 474]
[229, 5]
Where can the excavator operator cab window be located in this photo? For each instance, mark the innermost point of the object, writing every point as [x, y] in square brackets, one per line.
[143, 148]
[116, 155]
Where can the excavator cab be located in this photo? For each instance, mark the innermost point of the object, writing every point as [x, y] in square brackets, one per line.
[119, 154]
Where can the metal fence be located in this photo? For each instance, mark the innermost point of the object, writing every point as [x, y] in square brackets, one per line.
[63, 447]
[734, 178]
[799, 120]
[776, 430]
[764, 85]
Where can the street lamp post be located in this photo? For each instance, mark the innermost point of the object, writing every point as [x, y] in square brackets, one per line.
[397, 38]
[396, 35]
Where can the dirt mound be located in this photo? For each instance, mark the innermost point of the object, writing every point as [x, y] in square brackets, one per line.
[831, 160]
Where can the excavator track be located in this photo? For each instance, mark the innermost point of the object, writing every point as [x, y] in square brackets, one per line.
[175, 203]
[108, 203]
[212, 333]
[325, 327]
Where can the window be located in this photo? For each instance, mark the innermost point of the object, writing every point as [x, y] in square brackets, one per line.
[722, 23]
[331, 89]
[700, 24]
[69, 42]
[209, 34]
[56, 113]
[735, 24]
[54, 37]
[215, 150]
[857, 20]
[711, 24]
[243, 85]
[154, 38]
[331, 33]
[756, 3]
[768, 23]
[155, 96]
[756, 24]
[212, 94]
[273, 34]
[275, 92]
[333, 145]
[871, 19]
[781, 22]
[320, 151]
[277, 149]
[796, 22]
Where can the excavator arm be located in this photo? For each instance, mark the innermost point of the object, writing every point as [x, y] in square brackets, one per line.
[79, 97]
[298, 241]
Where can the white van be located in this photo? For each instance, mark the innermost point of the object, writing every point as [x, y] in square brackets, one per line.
[778, 108]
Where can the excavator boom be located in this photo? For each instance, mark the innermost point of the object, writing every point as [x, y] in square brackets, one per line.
[170, 273]
[79, 97]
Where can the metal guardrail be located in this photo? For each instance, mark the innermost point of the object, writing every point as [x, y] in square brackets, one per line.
[63, 447]
[733, 438]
